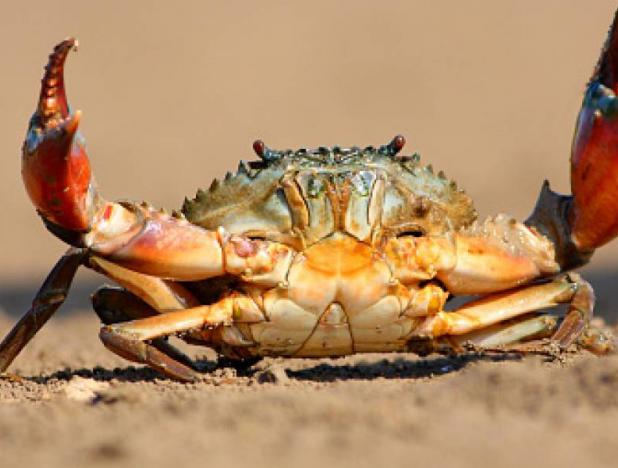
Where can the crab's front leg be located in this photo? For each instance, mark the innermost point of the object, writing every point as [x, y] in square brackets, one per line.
[48, 299]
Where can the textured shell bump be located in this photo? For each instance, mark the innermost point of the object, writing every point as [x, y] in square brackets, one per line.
[254, 200]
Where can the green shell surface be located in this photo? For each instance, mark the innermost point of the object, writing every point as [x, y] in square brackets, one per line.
[253, 201]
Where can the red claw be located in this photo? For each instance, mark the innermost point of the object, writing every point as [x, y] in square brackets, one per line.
[55, 167]
[594, 157]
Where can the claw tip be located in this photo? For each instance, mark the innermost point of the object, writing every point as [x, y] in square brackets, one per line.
[70, 41]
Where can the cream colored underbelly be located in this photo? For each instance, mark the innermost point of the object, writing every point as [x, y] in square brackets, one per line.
[328, 337]
[341, 298]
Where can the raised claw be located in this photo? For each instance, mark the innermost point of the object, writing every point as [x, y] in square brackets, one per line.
[55, 167]
[594, 157]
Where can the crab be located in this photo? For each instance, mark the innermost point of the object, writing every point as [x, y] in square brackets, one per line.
[323, 252]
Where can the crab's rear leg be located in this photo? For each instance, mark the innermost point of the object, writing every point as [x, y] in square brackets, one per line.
[151, 309]
[512, 332]
[500, 307]
[133, 340]
[144, 296]
[116, 305]
[52, 294]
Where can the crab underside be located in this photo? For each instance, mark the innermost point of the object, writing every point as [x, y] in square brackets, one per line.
[324, 252]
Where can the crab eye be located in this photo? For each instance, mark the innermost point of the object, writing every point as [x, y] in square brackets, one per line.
[413, 233]
[409, 229]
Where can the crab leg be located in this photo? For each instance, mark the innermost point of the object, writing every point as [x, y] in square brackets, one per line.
[509, 333]
[497, 255]
[115, 305]
[52, 294]
[145, 296]
[128, 339]
[497, 308]
[147, 353]
[179, 311]
[132, 340]
[161, 295]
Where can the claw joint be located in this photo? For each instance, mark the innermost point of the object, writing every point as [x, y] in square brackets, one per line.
[551, 218]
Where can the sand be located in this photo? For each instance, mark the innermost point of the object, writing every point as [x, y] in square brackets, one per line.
[78, 405]
[173, 94]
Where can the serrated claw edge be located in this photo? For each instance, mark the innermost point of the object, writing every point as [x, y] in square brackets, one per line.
[52, 101]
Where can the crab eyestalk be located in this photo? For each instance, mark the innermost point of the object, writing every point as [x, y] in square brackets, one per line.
[593, 215]
[55, 167]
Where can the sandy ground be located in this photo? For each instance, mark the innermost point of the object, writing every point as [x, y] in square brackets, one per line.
[78, 405]
[173, 94]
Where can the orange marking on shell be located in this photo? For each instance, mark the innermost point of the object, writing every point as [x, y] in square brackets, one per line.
[338, 269]
[326, 256]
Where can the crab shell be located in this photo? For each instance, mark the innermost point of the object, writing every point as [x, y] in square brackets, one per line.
[303, 197]
[322, 252]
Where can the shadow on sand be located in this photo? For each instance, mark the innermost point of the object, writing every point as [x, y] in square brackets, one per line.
[398, 368]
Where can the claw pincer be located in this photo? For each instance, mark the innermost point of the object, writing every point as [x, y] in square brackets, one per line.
[594, 156]
[55, 167]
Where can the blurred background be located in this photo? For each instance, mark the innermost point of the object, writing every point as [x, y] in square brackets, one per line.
[174, 93]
